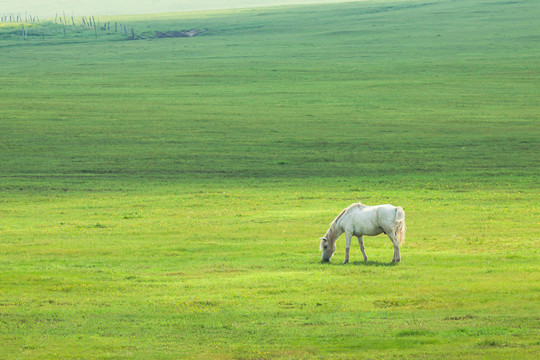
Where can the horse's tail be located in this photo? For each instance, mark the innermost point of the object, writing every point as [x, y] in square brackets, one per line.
[399, 225]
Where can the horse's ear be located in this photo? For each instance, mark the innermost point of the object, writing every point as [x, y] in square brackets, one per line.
[323, 240]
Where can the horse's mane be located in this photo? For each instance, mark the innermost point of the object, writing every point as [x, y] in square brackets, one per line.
[332, 231]
[346, 210]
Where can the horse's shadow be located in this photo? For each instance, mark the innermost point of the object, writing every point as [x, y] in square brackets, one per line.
[372, 263]
[364, 263]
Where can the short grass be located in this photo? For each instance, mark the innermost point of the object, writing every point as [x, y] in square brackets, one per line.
[162, 198]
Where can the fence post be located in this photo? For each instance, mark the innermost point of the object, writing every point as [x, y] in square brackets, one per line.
[24, 33]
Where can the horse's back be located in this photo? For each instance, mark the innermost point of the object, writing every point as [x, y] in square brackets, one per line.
[362, 220]
[377, 217]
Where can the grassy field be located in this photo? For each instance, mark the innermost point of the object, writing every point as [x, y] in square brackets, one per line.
[163, 197]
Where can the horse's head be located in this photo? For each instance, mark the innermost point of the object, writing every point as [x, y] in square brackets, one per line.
[327, 249]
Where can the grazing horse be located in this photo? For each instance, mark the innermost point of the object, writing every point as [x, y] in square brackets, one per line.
[359, 220]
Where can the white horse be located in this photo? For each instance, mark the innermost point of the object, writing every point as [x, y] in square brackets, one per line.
[359, 220]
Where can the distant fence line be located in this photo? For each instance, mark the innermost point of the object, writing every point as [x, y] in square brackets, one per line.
[32, 27]
[87, 22]
[19, 19]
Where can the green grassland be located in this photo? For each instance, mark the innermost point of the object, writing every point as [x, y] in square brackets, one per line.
[163, 197]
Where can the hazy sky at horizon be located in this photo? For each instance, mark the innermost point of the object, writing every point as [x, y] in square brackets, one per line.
[48, 8]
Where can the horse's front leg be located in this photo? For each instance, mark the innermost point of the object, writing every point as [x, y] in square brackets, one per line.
[361, 242]
[348, 236]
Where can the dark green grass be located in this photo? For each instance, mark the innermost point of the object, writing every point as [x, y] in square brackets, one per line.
[162, 198]
[431, 90]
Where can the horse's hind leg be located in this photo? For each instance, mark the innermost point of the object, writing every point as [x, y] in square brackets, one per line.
[361, 242]
[395, 241]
